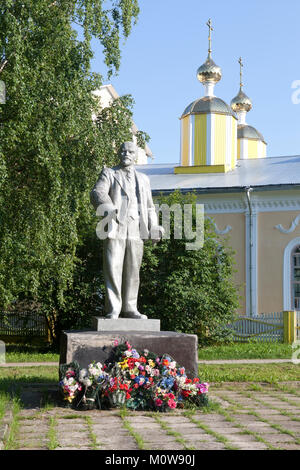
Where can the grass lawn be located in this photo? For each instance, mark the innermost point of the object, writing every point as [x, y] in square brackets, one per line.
[271, 373]
[29, 353]
[249, 350]
[21, 375]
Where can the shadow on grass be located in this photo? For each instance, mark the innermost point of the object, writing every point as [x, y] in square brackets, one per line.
[32, 349]
[35, 388]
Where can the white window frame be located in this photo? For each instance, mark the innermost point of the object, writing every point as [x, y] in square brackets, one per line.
[287, 273]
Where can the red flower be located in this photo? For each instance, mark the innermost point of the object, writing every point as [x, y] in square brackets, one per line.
[185, 393]
[188, 381]
[172, 404]
[131, 363]
[128, 396]
[196, 380]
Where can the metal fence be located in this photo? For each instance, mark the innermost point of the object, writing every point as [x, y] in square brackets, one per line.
[266, 327]
[25, 323]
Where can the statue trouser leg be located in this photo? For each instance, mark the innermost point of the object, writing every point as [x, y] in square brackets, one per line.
[113, 258]
[131, 274]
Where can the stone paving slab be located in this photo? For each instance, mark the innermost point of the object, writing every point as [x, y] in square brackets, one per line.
[68, 429]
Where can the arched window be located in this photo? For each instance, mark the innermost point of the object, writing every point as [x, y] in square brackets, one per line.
[291, 275]
[295, 278]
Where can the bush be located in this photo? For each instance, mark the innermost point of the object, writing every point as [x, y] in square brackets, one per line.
[189, 291]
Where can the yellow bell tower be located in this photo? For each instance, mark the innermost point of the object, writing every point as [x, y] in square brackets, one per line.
[208, 127]
[250, 143]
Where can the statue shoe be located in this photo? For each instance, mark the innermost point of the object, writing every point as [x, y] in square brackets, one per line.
[135, 315]
[112, 316]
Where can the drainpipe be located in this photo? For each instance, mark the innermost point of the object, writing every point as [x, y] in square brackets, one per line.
[248, 190]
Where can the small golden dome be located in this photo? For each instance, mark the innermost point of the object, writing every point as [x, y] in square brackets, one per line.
[241, 102]
[209, 71]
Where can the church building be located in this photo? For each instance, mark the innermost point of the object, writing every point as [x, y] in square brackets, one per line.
[253, 200]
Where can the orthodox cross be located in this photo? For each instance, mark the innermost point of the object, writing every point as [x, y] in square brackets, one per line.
[209, 24]
[241, 72]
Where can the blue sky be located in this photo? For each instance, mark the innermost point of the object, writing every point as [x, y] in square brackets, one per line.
[169, 43]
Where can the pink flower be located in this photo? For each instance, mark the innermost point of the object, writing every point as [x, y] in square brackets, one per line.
[116, 342]
[158, 402]
[172, 404]
[203, 388]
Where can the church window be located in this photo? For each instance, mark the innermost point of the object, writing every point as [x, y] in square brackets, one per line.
[295, 278]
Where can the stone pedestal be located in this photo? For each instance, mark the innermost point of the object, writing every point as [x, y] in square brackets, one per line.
[125, 324]
[88, 346]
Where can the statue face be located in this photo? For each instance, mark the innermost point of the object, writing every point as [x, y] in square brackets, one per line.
[128, 154]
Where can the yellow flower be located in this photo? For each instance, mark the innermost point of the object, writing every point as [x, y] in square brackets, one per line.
[151, 363]
[70, 399]
[123, 364]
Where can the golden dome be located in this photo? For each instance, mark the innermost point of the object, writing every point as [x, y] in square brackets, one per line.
[209, 71]
[241, 102]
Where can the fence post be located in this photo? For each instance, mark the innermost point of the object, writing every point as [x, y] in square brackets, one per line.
[289, 327]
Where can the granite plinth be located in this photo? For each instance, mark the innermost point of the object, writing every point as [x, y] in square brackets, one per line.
[88, 346]
[125, 324]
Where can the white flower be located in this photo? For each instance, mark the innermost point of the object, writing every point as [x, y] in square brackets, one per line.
[87, 382]
[180, 380]
[84, 378]
[94, 372]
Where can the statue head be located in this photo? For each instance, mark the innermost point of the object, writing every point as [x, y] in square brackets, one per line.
[128, 154]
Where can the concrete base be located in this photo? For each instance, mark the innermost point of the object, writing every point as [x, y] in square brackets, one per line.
[124, 324]
[88, 346]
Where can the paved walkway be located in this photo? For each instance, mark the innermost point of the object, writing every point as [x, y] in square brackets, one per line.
[244, 417]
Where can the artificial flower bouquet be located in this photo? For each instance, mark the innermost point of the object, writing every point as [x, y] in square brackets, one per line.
[137, 380]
